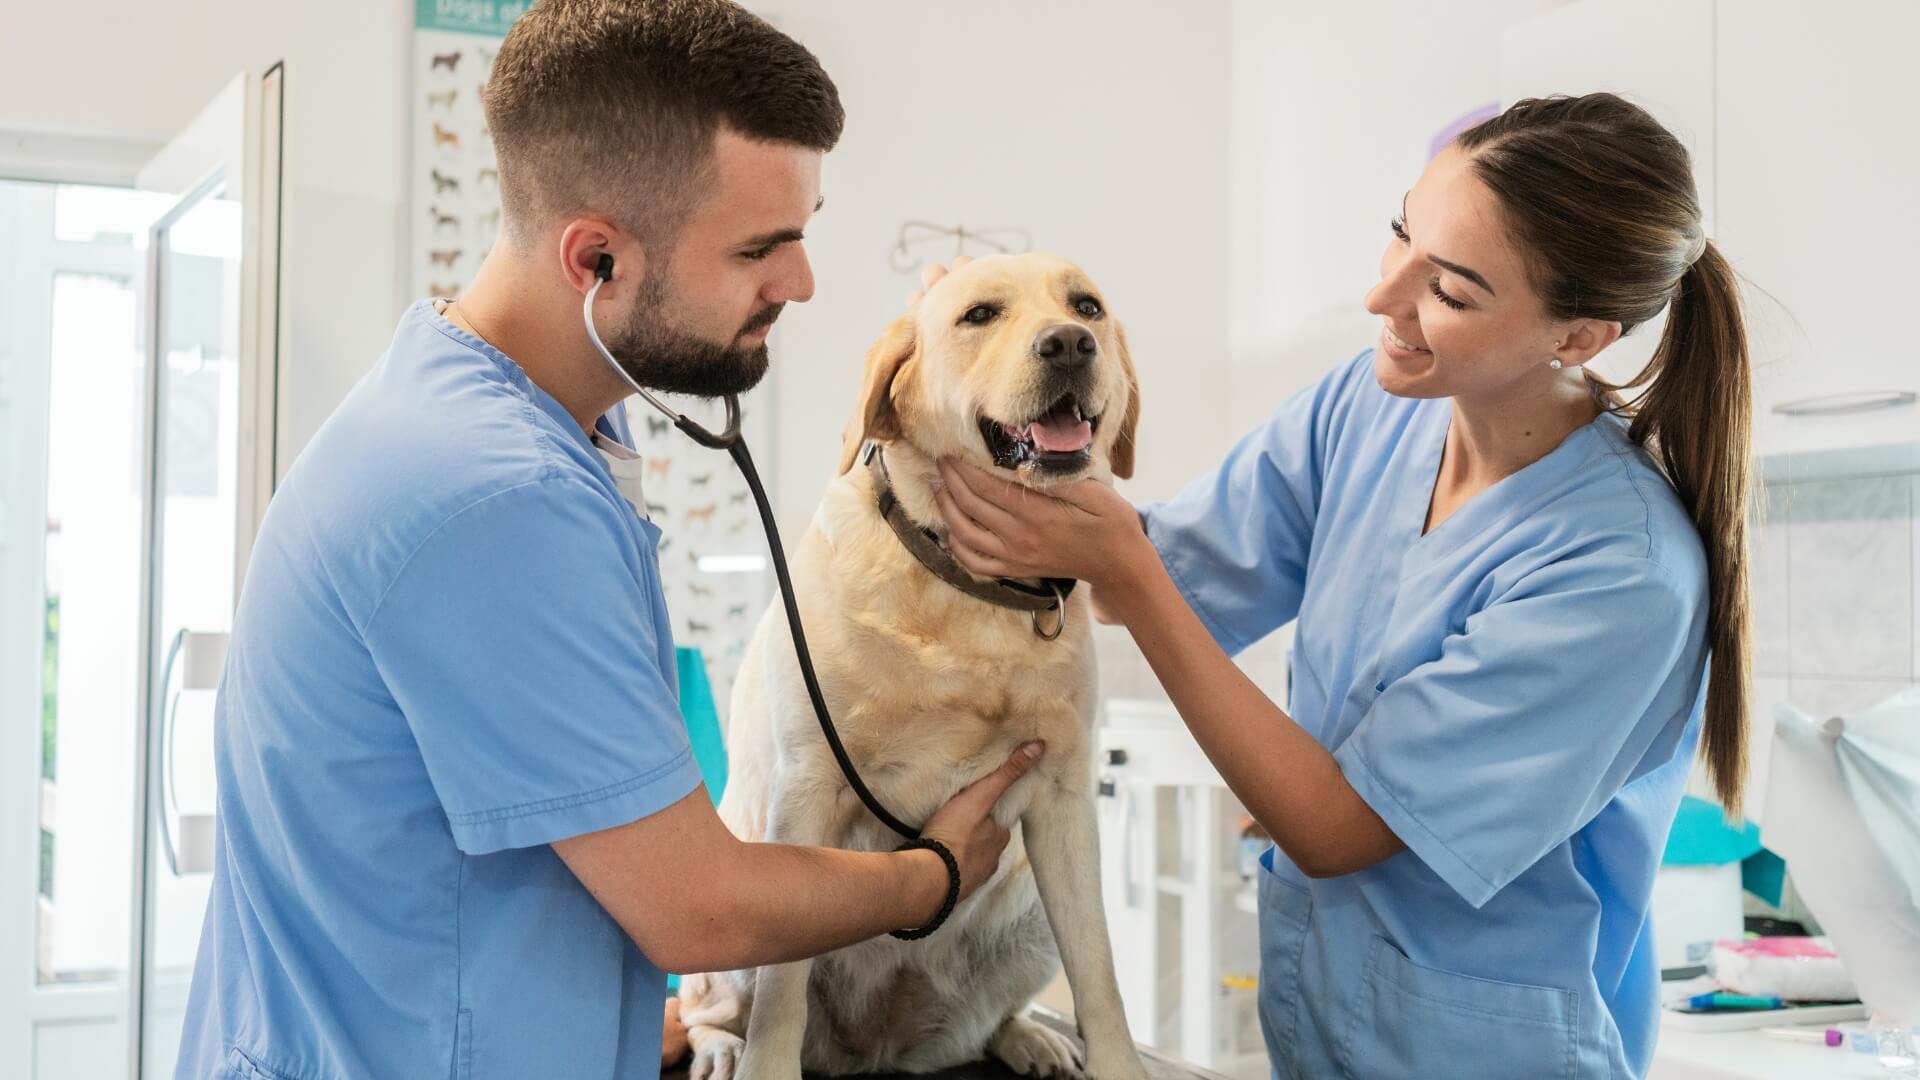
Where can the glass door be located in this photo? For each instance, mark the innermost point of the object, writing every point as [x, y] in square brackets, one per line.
[212, 270]
[193, 386]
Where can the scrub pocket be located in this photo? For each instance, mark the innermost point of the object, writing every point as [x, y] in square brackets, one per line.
[1285, 912]
[1415, 1021]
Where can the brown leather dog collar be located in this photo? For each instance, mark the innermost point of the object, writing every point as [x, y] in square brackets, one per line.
[1050, 595]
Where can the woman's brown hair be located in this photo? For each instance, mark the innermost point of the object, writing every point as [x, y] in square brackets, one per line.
[1601, 200]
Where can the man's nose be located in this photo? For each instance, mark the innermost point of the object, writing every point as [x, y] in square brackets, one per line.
[796, 286]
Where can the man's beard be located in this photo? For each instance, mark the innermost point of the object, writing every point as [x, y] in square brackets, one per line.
[660, 357]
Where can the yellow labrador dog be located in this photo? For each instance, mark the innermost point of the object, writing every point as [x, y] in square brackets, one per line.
[1009, 361]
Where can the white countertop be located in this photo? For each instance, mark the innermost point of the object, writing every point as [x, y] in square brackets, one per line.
[1749, 1055]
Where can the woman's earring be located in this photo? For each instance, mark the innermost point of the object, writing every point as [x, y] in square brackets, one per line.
[1555, 362]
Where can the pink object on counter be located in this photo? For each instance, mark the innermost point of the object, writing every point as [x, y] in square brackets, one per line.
[1812, 947]
[1791, 968]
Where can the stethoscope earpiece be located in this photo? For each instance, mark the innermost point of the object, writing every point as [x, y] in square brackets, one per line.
[725, 440]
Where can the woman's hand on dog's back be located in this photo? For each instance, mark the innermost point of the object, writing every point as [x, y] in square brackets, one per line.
[966, 825]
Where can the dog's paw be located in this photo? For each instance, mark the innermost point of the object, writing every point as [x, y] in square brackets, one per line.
[716, 1055]
[1032, 1049]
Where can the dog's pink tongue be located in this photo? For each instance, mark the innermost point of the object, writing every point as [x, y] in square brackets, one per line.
[1062, 434]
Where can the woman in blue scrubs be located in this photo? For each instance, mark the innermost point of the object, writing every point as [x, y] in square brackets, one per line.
[1510, 582]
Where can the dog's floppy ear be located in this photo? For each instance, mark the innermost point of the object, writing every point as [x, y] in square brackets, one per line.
[1122, 456]
[875, 417]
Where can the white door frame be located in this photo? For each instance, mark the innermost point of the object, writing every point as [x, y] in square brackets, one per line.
[23, 441]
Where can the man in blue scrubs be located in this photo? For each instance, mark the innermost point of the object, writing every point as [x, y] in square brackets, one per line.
[461, 831]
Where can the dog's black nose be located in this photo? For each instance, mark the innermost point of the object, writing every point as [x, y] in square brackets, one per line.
[1068, 346]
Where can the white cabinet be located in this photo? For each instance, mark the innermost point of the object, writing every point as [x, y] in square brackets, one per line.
[1185, 944]
[1803, 120]
[1816, 123]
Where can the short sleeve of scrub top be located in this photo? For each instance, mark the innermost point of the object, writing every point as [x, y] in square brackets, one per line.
[1245, 531]
[1528, 702]
[538, 719]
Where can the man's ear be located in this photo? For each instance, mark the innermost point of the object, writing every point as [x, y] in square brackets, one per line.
[585, 240]
[876, 416]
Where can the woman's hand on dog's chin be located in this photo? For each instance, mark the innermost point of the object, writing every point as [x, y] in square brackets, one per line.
[1084, 530]
[967, 827]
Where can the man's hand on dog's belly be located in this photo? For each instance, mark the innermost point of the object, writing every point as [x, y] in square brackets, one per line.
[966, 823]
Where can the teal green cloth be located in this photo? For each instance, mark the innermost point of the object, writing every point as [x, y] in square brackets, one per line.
[1702, 837]
[703, 731]
[703, 721]
[1764, 874]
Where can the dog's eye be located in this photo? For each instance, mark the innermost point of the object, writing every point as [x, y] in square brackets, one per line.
[980, 314]
[1088, 307]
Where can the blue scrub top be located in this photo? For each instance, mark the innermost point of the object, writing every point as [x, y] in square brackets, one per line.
[1514, 693]
[451, 650]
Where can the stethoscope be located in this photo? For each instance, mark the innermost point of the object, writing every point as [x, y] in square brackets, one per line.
[735, 445]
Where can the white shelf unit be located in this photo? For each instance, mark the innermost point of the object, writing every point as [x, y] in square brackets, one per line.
[1185, 940]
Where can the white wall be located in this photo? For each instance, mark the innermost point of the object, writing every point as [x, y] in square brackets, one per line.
[1098, 126]
[140, 71]
[1332, 109]
[1334, 105]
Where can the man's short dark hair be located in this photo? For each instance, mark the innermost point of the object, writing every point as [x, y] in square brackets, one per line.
[610, 107]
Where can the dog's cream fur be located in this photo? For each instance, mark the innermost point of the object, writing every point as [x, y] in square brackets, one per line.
[931, 689]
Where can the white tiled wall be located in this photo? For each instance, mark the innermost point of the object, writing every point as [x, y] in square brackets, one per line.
[1836, 592]
[1849, 570]
[1835, 588]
